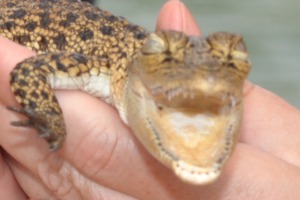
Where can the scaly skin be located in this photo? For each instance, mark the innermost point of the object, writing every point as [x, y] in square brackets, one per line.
[181, 95]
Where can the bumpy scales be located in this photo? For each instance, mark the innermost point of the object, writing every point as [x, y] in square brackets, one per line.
[181, 95]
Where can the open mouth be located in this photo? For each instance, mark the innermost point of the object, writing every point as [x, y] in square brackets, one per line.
[194, 141]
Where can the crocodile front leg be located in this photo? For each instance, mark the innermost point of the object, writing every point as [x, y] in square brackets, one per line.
[32, 82]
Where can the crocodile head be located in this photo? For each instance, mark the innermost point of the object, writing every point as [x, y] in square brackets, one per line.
[184, 100]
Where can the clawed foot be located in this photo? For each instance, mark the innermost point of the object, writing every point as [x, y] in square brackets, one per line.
[50, 127]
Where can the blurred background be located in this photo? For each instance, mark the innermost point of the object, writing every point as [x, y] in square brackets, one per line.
[271, 29]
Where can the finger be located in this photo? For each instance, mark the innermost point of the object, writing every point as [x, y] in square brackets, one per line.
[36, 189]
[113, 162]
[252, 172]
[112, 165]
[98, 149]
[175, 15]
[9, 186]
[45, 175]
[108, 153]
[11, 53]
[271, 124]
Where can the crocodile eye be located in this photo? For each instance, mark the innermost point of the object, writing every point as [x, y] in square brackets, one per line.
[238, 48]
[154, 44]
[238, 44]
[241, 46]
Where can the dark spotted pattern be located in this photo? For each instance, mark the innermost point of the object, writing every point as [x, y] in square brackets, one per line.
[60, 41]
[31, 26]
[86, 35]
[70, 18]
[100, 40]
[107, 30]
[18, 14]
[45, 20]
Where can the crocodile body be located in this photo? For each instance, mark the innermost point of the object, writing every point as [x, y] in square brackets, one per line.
[181, 95]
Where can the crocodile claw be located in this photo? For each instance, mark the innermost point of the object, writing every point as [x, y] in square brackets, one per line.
[52, 130]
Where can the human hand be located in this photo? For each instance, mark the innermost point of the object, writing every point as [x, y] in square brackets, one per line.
[101, 159]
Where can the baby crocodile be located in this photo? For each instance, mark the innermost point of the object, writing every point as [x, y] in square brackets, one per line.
[181, 95]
